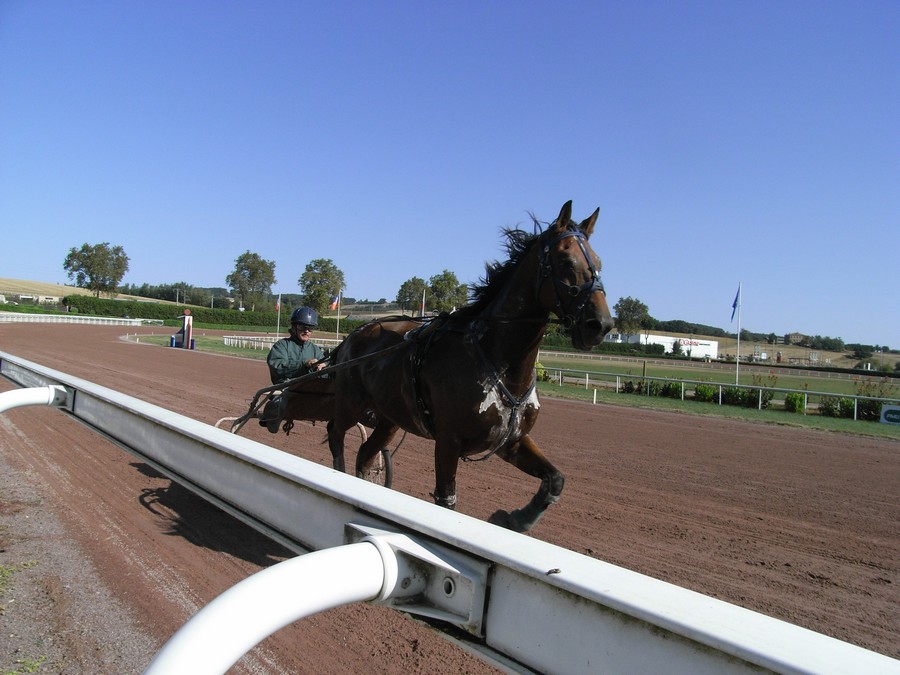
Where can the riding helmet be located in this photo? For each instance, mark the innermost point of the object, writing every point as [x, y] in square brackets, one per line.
[305, 315]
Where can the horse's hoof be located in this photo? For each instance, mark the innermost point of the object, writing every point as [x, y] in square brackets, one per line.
[506, 520]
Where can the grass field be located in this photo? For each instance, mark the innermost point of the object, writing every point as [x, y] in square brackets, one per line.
[813, 421]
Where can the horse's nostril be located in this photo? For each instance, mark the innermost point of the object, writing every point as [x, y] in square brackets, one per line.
[604, 325]
[596, 326]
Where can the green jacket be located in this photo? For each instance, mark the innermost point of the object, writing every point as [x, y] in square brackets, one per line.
[287, 359]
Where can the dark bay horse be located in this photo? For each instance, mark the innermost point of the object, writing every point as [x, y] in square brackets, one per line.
[467, 379]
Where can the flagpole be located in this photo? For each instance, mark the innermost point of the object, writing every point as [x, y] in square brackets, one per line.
[337, 331]
[422, 310]
[278, 324]
[737, 361]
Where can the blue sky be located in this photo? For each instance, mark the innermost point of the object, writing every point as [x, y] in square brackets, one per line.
[724, 142]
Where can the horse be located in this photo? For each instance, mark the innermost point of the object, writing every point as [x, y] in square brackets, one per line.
[466, 379]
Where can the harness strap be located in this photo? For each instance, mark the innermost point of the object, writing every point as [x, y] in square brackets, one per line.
[417, 356]
[425, 414]
[515, 404]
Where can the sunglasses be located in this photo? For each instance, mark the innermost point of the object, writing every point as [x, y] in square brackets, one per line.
[303, 328]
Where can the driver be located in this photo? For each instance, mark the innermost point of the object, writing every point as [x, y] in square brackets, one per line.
[296, 355]
[292, 357]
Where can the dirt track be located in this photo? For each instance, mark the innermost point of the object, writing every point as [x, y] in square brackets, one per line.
[796, 524]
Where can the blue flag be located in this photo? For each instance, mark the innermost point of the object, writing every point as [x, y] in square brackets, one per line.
[737, 300]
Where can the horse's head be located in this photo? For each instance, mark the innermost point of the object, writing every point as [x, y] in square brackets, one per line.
[575, 294]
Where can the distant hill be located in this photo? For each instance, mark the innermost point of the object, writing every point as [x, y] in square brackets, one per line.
[10, 287]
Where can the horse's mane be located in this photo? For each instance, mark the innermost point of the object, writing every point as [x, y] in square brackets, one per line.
[496, 273]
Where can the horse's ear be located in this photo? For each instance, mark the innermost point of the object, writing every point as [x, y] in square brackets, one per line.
[587, 225]
[565, 215]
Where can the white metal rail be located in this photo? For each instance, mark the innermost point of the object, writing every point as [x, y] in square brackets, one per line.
[548, 609]
[21, 317]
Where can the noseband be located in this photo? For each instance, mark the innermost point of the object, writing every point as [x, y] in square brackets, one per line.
[577, 294]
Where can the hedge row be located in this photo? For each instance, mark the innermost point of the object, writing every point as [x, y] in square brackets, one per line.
[836, 406]
[87, 304]
[794, 402]
[703, 393]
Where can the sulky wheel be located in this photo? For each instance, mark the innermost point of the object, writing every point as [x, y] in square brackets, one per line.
[381, 471]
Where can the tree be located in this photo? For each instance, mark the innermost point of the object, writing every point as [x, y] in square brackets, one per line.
[631, 315]
[320, 282]
[410, 294]
[98, 268]
[447, 293]
[252, 279]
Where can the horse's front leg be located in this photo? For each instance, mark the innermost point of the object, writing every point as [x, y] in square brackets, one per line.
[446, 463]
[526, 456]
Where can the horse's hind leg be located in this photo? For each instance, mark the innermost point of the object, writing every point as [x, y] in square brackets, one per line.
[336, 445]
[365, 459]
[526, 456]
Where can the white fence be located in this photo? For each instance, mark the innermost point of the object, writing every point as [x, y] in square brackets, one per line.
[616, 382]
[265, 342]
[526, 604]
[701, 364]
[21, 317]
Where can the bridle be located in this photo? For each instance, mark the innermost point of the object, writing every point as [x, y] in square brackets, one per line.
[578, 294]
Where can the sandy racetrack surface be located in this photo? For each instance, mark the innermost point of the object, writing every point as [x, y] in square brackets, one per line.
[109, 558]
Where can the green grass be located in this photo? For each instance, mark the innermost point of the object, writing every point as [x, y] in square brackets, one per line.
[209, 344]
[216, 345]
[27, 666]
[781, 417]
[6, 573]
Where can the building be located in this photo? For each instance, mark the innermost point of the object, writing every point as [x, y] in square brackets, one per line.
[694, 347]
